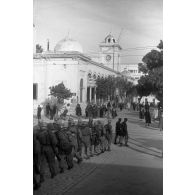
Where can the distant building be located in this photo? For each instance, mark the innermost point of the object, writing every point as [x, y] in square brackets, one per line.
[131, 71]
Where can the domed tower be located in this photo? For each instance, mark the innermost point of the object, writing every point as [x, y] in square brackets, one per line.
[110, 52]
[68, 45]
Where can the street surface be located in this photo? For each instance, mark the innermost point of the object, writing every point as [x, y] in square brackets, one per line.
[133, 170]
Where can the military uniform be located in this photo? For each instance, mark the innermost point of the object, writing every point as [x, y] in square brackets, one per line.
[36, 161]
[75, 139]
[102, 134]
[86, 138]
[97, 132]
[65, 149]
[48, 143]
[108, 129]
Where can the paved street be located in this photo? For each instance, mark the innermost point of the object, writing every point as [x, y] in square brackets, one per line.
[135, 170]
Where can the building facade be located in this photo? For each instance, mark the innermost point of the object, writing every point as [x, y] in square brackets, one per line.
[68, 64]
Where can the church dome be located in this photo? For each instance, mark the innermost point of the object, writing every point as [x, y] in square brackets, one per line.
[67, 45]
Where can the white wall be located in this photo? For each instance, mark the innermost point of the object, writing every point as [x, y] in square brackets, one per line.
[53, 72]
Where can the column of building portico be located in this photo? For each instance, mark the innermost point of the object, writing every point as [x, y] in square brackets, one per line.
[90, 94]
[95, 95]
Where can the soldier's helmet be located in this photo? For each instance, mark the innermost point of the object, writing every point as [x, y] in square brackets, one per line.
[109, 120]
[43, 126]
[56, 126]
[64, 126]
[50, 127]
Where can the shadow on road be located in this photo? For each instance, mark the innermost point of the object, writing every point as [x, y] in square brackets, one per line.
[107, 179]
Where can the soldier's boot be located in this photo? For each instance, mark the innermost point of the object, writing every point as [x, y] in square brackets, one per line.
[91, 150]
[69, 160]
[37, 185]
[35, 182]
[61, 163]
[95, 150]
[78, 157]
[86, 153]
[42, 179]
[52, 169]
[115, 139]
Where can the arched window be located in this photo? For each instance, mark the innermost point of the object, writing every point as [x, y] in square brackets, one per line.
[89, 75]
[94, 76]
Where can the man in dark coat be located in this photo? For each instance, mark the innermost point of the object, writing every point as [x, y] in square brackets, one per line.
[147, 117]
[48, 110]
[39, 109]
[118, 130]
[78, 110]
[108, 129]
[147, 106]
[90, 111]
[124, 133]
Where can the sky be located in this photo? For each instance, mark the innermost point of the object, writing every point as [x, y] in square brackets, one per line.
[140, 23]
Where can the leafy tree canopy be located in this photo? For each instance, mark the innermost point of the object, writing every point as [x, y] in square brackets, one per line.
[39, 49]
[60, 92]
[107, 86]
[152, 67]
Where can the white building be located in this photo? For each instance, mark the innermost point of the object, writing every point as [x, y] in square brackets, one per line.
[131, 71]
[68, 64]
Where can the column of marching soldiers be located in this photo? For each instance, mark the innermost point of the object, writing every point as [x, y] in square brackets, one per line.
[56, 143]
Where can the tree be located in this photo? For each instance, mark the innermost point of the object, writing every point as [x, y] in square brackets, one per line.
[60, 92]
[39, 48]
[152, 67]
[107, 87]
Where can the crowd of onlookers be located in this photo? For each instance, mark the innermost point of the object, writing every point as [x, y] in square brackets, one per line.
[98, 110]
[145, 109]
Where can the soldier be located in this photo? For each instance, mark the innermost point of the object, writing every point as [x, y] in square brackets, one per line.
[75, 138]
[36, 161]
[108, 129]
[86, 138]
[93, 136]
[118, 130]
[102, 134]
[65, 148]
[48, 142]
[97, 132]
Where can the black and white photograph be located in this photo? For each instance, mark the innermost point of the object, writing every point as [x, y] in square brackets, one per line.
[97, 97]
